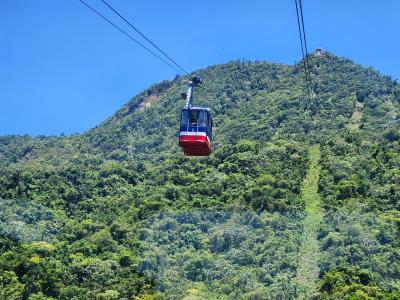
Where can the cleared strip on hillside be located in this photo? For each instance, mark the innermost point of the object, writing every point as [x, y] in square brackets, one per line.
[308, 268]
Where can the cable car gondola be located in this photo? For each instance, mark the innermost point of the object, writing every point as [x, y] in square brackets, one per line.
[195, 134]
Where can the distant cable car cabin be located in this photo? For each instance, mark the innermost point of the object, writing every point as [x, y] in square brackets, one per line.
[195, 134]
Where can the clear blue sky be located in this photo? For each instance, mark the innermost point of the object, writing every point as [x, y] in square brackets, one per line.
[63, 69]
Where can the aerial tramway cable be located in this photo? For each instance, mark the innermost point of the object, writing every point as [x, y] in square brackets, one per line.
[304, 38]
[146, 38]
[303, 44]
[131, 37]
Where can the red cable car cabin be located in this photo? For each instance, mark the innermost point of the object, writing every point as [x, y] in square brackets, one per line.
[196, 131]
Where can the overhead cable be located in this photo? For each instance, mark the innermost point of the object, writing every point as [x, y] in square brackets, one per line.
[304, 38]
[303, 44]
[129, 36]
[146, 38]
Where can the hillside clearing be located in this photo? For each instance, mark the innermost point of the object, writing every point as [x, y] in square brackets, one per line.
[308, 269]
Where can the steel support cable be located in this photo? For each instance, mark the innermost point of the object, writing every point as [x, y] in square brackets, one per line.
[129, 36]
[305, 41]
[304, 50]
[305, 66]
[301, 37]
[146, 38]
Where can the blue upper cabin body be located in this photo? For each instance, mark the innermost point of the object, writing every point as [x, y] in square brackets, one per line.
[196, 119]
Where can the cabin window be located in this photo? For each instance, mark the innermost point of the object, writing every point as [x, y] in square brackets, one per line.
[202, 119]
[184, 118]
[193, 118]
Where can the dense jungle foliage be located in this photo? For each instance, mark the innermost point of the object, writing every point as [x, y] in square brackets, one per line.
[118, 212]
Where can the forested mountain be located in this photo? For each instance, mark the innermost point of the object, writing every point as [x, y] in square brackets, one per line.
[299, 199]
